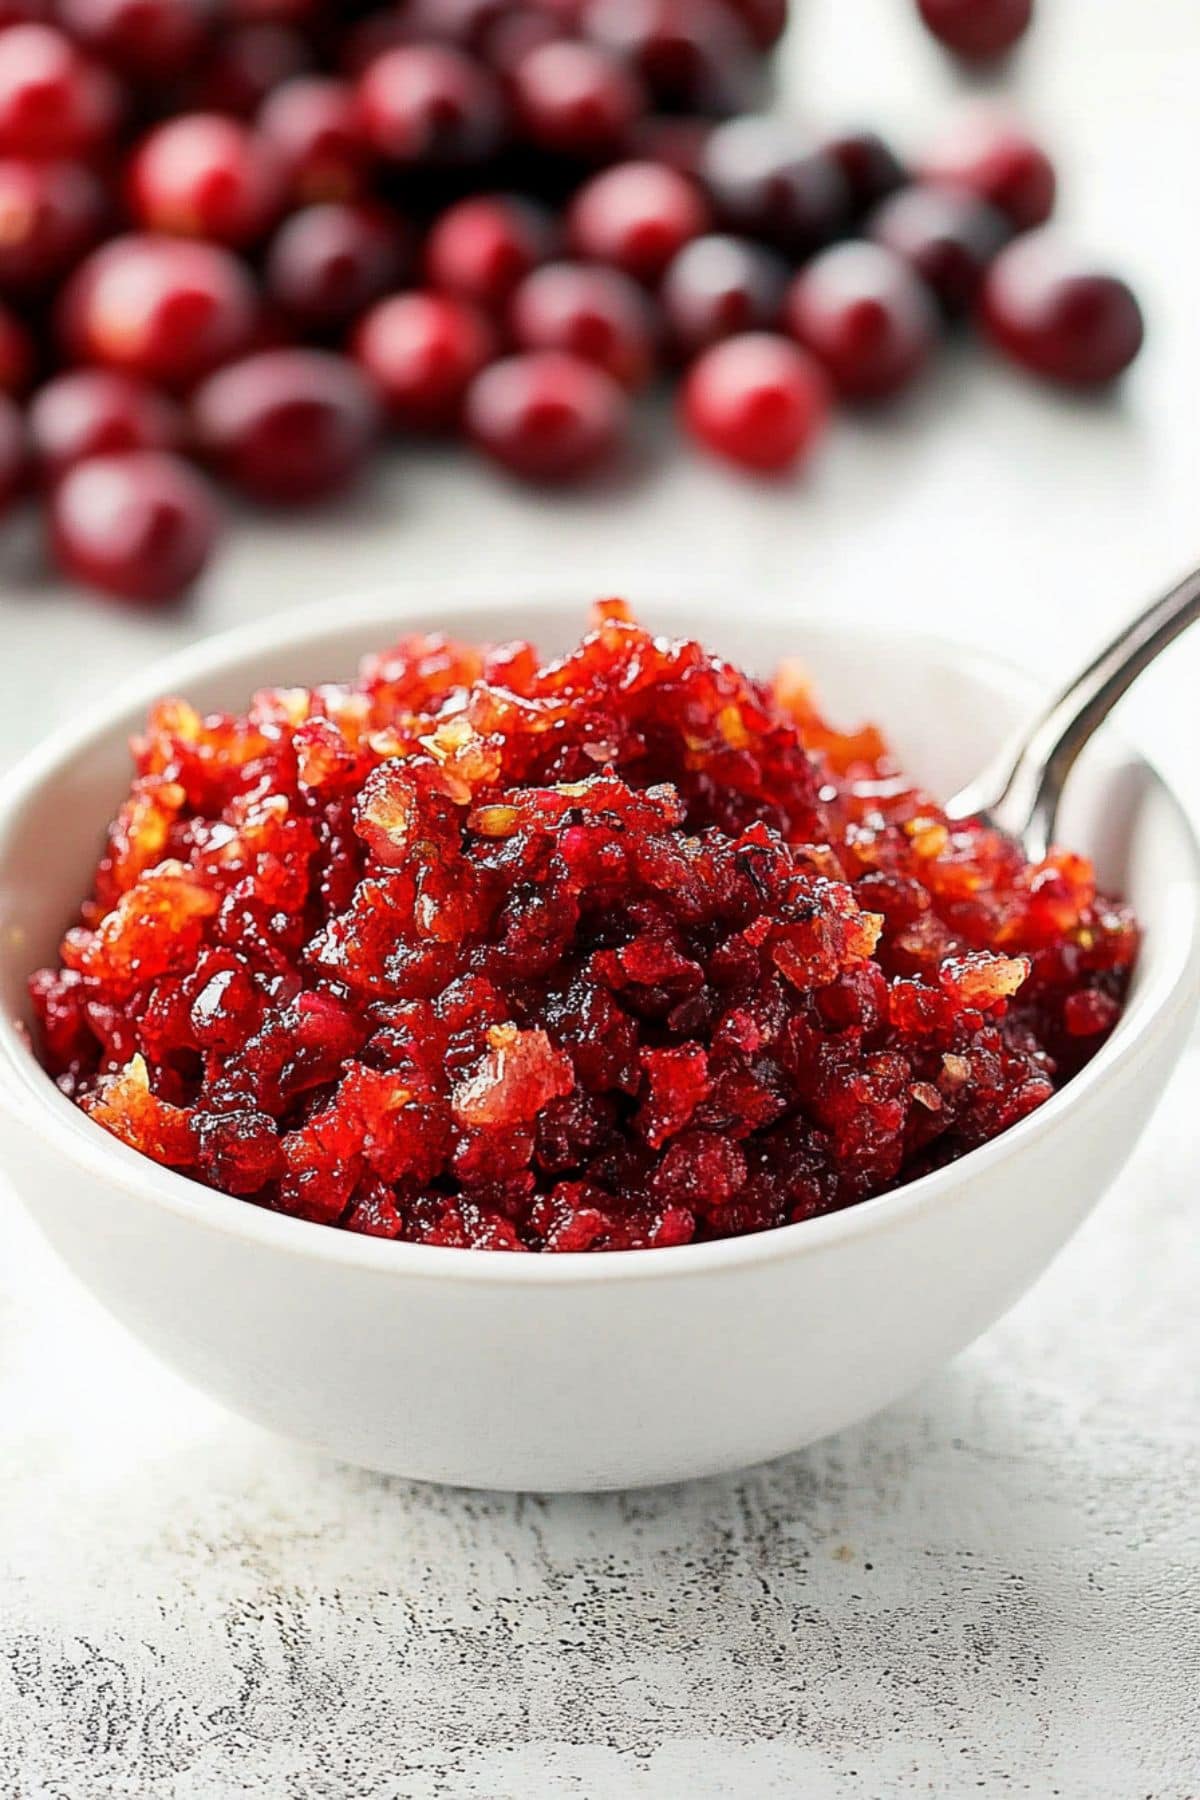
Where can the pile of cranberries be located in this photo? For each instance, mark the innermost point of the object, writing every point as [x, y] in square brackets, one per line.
[245, 236]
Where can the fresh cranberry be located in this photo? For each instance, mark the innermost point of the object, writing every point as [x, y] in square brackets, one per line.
[481, 248]
[205, 175]
[168, 309]
[143, 38]
[312, 124]
[422, 351]
[247, 63]
[597, 314]
[637, 216]
[977, 29]
[946, 235]
[50, 214]
[718, 287]
[694, 55]
[54, 101]
[546, 416]
[766, 19]
[430, 104]
[14, 456]
[286, 426]
[756, 400]
[864, 314]
[990, 155]
[141, 524]
[1057, 315]
[765, 183]
[329, 262]
[94, 412]
[508, 40]
[463, 23]
[577, 100]
[676, 142]
[870, 166]
[16, 353]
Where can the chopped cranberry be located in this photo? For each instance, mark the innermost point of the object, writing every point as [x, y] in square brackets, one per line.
[860, 309]
[597, 314]
[430, 104]
[165, 308]
[1056, 314]
[148, 39]
[16, 353]
[694, 55]
[422, 351]
[327, 263]
[481, 248]
[636, 216]
[869, 164]
[546, 416]
[948, 236]
[206, 175]
[765, 183]
[94, 412]
[140, 525]
[246, 64]
[578, 100]
[756, 400]
[312, 124]
[977, 29]
[718, 287]
[991, 155]
[14, 455]
[54, 101]
[286, 426]
[50, 214]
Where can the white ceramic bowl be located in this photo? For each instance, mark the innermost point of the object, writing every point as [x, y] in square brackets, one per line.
[585, 1371]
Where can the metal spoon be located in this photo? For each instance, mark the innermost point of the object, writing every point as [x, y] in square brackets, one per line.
[1019, 793]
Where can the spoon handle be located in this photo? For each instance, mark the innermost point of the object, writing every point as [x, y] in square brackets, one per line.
[1020, 794]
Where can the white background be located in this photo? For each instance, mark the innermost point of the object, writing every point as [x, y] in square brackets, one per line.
[992, 1589]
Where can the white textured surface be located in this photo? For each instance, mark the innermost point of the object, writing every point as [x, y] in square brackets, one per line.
[993, 1588]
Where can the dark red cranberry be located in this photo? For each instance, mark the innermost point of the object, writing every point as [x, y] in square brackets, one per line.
[675, 142]
[864, 314]
[718, 287]
[13, 452]
[870, 166]
[578, 100]
[546, 416]
[694, 55]
[54, 101]
[992, 156]
[977, 29]
[50, 214]
[637, 216]
[205, 175]
[422, 351]
[16, 353]
[327, 263]
[168, 309]
[756, 400]
[946, 235]
[464, 23]
[765, 183]
[481, 248]
[766, 19]
[141, 524]
[1057, 315]
[286, 426]
[94, 412]
[312, 124]
[597, 314]
[142, 38]
[246, 64]
[430, 104]
[522, 29]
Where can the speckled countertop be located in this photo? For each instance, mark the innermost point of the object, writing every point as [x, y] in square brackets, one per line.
[994, 1588]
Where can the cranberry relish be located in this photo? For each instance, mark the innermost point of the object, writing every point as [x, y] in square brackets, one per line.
[621, 950]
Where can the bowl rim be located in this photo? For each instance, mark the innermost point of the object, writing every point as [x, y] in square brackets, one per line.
[48, 1114]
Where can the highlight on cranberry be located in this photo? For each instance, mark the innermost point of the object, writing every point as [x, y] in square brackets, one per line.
[629, 949]
[509, 220]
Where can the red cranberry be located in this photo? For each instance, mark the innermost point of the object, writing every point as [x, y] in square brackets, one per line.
[718, 287]
[422, 351]
[991, 156]
[205, 175]
[766, 19]
[165, 308]
[16, 354]
[141, 524]
[463, 23]
[597, 314]
[1057, 315]
[866, 316]
[50, 214]
[521, 30]
[756, 400]
[481, 248]
[675, 142]
[765, 183]
[54, 101]
[546, 416]
[13, 452]
[577, 100]
[637, 216]
[977, 29]
[286, 426]
[94, 412]
[327, 263]
[246, 64]
[312, 123]
[946, 235]
[143, 38]
[428, 103]
[869, 165]
[694, 55]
